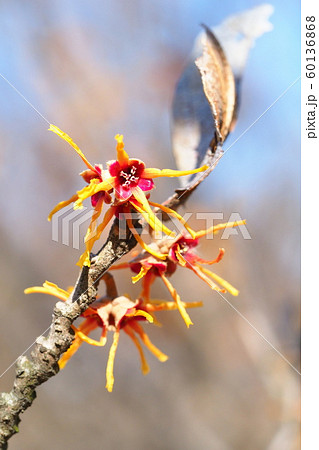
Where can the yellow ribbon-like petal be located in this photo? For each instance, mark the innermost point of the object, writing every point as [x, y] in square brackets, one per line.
[152, 220]
[150, 217]
[221, 281]
[141, 242]
[155, 173]
[86, 327]
[85, 257]
[61, 205]
[76, 344]
[89, 340]
[175, 214]
[161, 305]
[122, 156]
[89, 236]
[140, 312]
[49, 288]
[141, 274]
[178, 301]
[147, 342]
[144, 366]
[93, 188]
[110, 362]
[221, 226]
[198, 270]
[67, 138]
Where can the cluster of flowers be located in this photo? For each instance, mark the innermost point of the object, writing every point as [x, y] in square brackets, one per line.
[120, 313]
[123, 186]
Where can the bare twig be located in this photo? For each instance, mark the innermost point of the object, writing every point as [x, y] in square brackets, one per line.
[213, 155]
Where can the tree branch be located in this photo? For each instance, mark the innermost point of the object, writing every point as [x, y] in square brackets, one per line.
[43, 363]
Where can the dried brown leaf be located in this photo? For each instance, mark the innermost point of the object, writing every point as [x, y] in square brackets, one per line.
[218, 84]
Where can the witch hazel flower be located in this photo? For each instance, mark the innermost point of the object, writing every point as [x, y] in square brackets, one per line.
[180, 251]
[122, 186]
[119, 314]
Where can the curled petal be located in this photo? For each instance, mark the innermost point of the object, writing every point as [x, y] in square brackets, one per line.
[205, 261]
[49, 288]
[89, 174]
[122, 156]
[89, 340]
[147, 342]
[93, 188]
[140, 312]
[141, 274]
[148, 262]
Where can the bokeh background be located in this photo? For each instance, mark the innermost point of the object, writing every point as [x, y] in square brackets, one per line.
[99, 68]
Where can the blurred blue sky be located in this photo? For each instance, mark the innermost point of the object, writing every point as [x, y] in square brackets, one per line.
[268, 151]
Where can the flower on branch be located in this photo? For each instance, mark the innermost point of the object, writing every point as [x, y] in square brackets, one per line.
[179, 251]
[122, 186]
[115, 315]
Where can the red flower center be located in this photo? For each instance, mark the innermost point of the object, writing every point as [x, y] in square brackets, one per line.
[129, 177]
